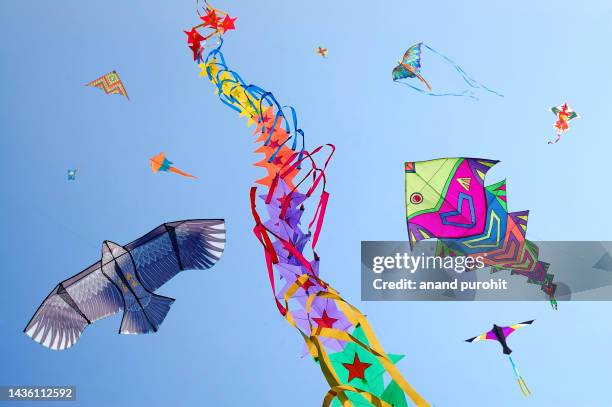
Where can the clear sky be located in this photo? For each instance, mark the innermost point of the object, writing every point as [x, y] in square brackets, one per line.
[224, 343]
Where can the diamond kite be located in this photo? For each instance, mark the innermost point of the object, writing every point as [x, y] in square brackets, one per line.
[125, 279]
[564, 114]
[499, 334]
[110, 83]
[161, 163]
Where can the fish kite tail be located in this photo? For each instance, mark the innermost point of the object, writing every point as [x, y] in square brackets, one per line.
[521, 382]
[177, 171]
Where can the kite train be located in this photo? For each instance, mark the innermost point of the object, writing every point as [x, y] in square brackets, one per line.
[161, 163]
[446, 199]
[499, 334]
[125, 279]
[338, 337]
[564, 114]
[110, 84]
[410, 67]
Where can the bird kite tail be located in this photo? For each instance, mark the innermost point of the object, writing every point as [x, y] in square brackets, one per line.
[424, 81]
[557, 140]
[521, 382]
[177, 171]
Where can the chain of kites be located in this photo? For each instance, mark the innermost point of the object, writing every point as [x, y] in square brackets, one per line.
[337, 335]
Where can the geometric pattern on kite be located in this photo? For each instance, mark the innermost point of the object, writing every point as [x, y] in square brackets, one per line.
[125, 279]
[337, 336]
[446, 199]
[110, 83]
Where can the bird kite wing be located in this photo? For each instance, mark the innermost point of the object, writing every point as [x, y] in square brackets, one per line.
[487, 335]
[71, 306]
[172, 247]
[507, 330]
[412, 56]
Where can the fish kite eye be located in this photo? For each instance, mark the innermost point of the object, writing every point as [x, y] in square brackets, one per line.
[416, 198]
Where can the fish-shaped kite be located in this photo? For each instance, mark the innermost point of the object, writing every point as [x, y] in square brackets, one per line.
[125, 279]
[447, 199]
[564, 114]
[410, 65]
[499, 334]
[110, 83]
[322, 51]
[161, 163]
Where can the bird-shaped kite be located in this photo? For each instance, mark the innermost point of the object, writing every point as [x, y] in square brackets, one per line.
[125, 280]
[110, 83]
[564, 114]
[499, 334]
[72, 175]
[161, 163]
[410, 65]
[322, 51]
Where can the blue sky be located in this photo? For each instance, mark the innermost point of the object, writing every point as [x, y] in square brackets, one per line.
[224, 343]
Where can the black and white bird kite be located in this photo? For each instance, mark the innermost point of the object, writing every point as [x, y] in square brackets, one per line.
[125, 279]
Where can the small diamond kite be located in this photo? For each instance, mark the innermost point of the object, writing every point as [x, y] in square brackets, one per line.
[110, 83]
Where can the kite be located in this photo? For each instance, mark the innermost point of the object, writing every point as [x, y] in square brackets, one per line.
[564, 114]
[322, 51]
[110, 84]
[410, 67]
[337, 336]
[161, 163]
[446, 199]
[499, 334]
[125, 279]
[72, 175]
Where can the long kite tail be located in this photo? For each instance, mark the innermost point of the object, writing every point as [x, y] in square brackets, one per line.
[521, 382]
[556, 140]
[331, 327]
[177, 171]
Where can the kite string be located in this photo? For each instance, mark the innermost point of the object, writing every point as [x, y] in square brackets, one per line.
[467, 78]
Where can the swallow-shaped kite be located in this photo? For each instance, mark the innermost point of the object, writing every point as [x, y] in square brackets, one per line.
[125, 279]
[322, 51]
[161, 163]
[110, 83]
[499, 334]
[410, 65]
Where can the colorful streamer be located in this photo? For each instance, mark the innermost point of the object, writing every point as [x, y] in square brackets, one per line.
[337, 336]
